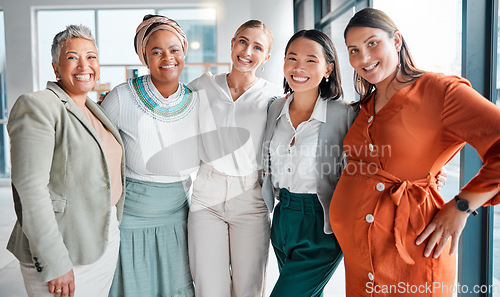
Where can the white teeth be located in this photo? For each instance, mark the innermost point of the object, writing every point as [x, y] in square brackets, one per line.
[168, 66]
[245, 60]
[370, 67]
[299, 78]
[83, 77]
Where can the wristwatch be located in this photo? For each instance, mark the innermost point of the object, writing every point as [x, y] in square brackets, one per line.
[463, 205]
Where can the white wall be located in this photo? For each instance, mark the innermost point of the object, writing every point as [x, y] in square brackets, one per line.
[21, 45]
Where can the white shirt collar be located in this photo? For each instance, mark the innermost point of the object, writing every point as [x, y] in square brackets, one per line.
[319, 111]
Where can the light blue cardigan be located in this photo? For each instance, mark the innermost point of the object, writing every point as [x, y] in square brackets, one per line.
[330, 156]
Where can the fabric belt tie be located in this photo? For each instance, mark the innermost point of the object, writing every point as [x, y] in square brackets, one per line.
[408, 196]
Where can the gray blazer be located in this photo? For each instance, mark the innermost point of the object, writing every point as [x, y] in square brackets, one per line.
[330, 156]
[61, 182]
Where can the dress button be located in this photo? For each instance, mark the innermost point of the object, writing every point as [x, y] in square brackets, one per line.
[370, 119]
[370, 147]
[370, 276]
[289, 170]
[380, 187]
[39, 269]
[370, 218]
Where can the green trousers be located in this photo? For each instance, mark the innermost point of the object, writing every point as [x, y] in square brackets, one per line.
[307, 257]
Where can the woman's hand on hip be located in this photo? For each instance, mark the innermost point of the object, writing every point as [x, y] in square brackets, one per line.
[63, 286]
[448, 222]
[441, 178]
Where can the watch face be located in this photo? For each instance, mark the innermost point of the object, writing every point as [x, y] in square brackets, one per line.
[463, 205]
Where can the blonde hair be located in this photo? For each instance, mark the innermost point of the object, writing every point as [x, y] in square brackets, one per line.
[256, 24]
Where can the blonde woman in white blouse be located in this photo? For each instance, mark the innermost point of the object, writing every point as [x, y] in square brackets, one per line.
[228, 224]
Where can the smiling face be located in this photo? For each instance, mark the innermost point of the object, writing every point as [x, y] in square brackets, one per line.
[305, 65]
[249, 49]
[78, 67]
[373, 53]
[164, 57]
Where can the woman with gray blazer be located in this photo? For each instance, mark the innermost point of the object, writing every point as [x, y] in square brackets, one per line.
[67, 178]
[304, 158]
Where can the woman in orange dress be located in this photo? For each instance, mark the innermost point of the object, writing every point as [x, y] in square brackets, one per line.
[397, 233]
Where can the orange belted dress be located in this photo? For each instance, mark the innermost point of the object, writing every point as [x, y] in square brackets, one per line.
[387, 193]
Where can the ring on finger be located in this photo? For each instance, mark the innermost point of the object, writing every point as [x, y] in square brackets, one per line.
[58, 291]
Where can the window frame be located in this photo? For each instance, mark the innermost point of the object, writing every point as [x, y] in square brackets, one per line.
[156, 10]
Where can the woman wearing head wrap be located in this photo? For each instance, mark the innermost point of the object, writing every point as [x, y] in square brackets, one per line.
[158, 119]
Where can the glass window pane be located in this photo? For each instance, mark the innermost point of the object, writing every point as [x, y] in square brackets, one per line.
[305, 15]
[191, 72]
[51, 22]
[443, 30]
[112, 75]
[116, 37]
[336, 32]
[332, 5]
[115, 75]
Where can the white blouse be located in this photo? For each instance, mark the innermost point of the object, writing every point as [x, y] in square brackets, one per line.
[232, 131]
[160, 135]
[294, 166]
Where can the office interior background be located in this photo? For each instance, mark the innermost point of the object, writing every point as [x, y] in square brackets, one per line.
[457, 37]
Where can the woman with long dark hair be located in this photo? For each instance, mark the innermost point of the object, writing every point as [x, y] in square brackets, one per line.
[394, 228]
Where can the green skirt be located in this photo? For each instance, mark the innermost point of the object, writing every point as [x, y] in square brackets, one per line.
[153, 259]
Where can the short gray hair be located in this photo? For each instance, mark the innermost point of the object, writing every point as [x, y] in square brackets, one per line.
[71, 31]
